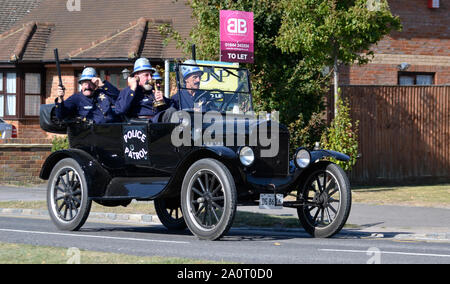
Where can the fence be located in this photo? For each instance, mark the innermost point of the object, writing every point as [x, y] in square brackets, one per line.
[404, 133]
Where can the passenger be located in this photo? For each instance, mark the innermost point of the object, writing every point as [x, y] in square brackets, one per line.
[184, 98]
[94, 103]
[137, 100]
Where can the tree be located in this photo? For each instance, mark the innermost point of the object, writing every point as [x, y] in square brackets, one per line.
[328, 31]
[280, 81]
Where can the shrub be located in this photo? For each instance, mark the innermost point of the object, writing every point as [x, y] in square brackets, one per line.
[341, 136]
[60, 143]
[306, 134]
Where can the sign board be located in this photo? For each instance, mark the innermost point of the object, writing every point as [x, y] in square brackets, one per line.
[236, 36]
[217, 78]
[135, 144]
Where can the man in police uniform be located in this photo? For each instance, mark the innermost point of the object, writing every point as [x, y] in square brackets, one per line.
[137, 100]
[94, 103]
[184, 98]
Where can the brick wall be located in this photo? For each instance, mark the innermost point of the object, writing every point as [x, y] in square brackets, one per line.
[51, 87]
[423, 43]
[21, 160]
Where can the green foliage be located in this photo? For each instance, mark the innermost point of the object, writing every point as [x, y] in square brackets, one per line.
[60, 143]
[281, 82]
[325, 29]
[306, 134]
[342, 135]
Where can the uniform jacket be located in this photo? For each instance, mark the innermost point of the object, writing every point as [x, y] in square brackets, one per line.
[98, 108]
[139, 103]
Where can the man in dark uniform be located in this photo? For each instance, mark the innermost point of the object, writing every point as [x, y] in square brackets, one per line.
[137, 100]
[94, 103]
[184, 98]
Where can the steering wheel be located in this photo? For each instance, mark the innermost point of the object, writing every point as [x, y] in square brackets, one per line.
[207, 96]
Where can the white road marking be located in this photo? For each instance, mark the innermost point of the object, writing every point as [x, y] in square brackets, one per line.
[91, 236]
[387, 252]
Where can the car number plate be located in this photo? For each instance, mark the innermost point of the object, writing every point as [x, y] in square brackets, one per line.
[267, 201]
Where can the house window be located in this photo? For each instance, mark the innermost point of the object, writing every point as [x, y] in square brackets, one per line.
[414, 78]
[20, 94]
[114, 76]
[32, 94]
[8, 96]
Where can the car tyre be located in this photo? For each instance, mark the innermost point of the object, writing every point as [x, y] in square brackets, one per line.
[208, 199]
[67, 196]
[327, 191]
[170, 213]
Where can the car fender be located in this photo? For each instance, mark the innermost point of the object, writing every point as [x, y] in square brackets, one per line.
[320, 154]
[97, 177]
[223, 154]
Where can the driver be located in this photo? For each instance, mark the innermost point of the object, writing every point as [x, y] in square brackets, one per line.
[185, 98]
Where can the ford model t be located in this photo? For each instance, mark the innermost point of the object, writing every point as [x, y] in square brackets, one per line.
[197, 169]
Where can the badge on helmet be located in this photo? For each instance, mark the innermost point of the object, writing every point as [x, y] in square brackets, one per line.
[142, 64]
[87, 74]
[188, 70]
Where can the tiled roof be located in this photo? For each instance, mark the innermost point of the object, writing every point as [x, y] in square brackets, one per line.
[101, 29]
[25, 43]
[13, 11]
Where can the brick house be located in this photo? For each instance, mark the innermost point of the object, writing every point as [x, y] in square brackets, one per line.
[105, 34]
[423, 45]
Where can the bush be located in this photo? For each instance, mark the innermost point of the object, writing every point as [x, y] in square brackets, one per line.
[60, 143]
[341, 136]
[306, 134]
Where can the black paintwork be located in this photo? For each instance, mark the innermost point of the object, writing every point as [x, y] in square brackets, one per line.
[156, 169]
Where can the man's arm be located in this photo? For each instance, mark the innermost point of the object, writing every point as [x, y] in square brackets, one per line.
[126, 97]
[64, 108]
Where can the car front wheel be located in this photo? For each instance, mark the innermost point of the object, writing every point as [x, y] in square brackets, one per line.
[327, 196]
[208, 199]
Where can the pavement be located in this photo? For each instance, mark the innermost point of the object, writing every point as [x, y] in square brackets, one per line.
[378, 221]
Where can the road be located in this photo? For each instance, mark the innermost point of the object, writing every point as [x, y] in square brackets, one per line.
[385, 234]
[240, 245]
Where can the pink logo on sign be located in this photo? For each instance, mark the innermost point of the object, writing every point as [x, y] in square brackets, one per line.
[236, 36]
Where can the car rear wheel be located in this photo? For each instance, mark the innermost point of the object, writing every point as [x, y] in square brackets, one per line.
[328, 200]
[208, 199]
[170, 214]
[67, 196]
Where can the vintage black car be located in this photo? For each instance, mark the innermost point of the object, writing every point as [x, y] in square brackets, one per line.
[198, 168]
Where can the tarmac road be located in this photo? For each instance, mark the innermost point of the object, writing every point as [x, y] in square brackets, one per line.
[387, 234]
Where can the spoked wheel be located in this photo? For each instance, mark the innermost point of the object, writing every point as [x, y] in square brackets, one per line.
[208, 199]
[170, 214]
[67, 196]
[328, 201]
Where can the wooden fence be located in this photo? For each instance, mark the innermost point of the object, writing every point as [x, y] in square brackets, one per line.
[404, 133]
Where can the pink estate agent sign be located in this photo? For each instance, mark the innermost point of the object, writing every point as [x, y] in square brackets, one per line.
[236, 36]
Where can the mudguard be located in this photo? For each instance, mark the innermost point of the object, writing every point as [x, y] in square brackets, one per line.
[319, 154]
[97, 177]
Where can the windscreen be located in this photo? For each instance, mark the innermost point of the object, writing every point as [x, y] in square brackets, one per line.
[223, 89]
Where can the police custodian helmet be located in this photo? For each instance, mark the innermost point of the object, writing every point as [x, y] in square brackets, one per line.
[88, 74]
[188, 70]
[143, 64]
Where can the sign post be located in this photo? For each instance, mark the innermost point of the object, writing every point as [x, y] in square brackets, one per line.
[236, 36]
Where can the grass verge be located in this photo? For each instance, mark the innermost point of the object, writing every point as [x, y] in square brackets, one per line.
[30, 254]
[423, 196]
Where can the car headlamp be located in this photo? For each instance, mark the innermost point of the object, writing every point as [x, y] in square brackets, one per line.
[246, 156]
[302, 158]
